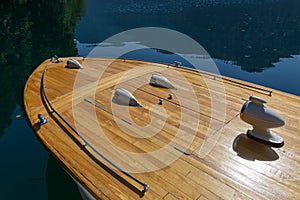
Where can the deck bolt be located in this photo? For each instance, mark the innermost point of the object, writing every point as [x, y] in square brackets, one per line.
[161, 101]
[170, 96]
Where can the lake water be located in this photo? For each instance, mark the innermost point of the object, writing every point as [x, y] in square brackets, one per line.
[256, 41]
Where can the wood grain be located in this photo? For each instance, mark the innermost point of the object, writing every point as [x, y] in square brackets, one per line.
[193, 146]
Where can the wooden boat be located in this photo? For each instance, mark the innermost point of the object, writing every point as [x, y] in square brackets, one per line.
[186, 142]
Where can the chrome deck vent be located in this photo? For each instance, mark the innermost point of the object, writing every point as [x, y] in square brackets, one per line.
[73, 64]
[262, 118]
[124, 97]
[159, 80]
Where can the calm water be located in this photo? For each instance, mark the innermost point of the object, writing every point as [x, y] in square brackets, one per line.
[257, 41]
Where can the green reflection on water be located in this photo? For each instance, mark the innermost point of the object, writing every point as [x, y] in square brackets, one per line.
[31, 31]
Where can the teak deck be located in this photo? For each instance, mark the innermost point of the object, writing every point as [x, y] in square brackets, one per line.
[193, 146]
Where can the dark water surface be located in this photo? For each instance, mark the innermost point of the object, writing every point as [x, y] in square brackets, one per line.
[257, 41]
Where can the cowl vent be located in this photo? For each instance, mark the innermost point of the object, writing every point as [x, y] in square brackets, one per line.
[159, 80]
[262, 118]
[73, 64]
[124, 97]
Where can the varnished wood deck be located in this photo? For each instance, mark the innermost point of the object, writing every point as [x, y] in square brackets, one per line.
[194, 146]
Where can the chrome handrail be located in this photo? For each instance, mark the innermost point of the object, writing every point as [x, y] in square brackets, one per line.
[43, 92]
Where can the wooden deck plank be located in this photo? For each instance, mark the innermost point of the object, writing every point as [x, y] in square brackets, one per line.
[170, 121]
[193, 192]
[223, 164]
